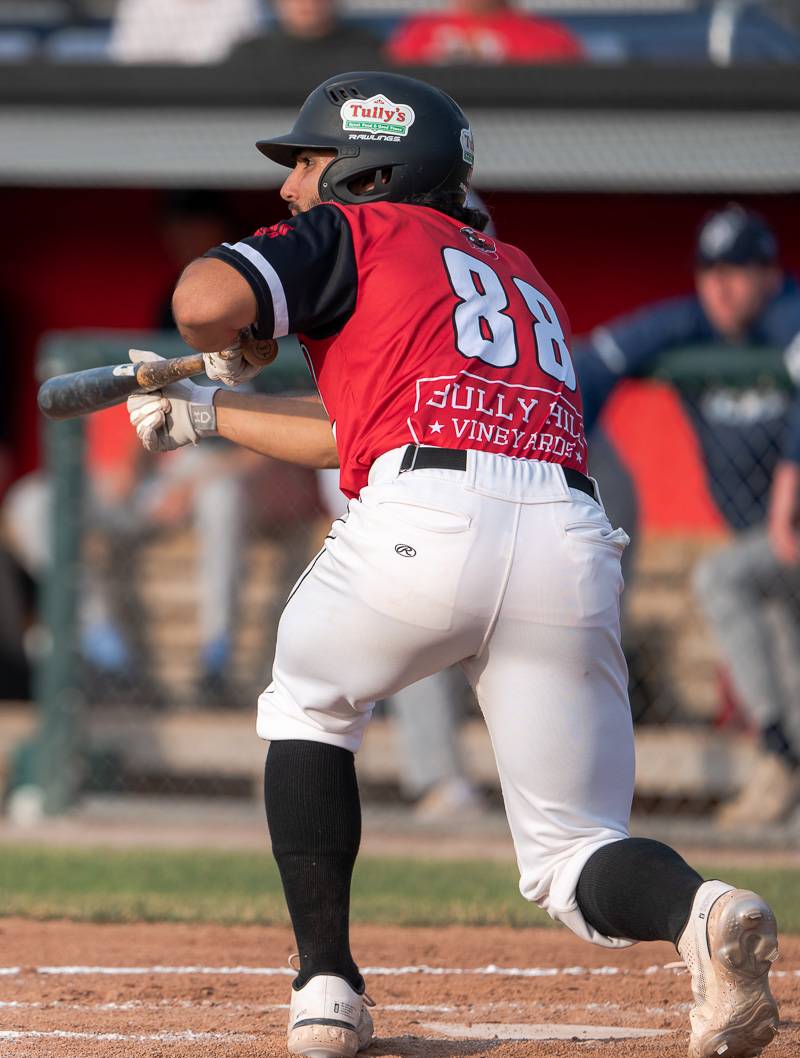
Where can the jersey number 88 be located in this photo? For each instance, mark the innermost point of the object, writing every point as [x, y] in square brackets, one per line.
[484, 330]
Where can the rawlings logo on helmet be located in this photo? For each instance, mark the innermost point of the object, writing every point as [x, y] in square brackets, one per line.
[378, 114]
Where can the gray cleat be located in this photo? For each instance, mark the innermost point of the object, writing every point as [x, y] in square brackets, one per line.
[729, 945]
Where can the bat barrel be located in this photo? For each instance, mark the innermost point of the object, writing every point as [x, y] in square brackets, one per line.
[67, 396]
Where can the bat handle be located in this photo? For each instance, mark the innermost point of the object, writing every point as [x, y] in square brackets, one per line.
[154, 374]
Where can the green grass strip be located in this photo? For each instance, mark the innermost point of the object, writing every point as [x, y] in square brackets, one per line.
[139, 885]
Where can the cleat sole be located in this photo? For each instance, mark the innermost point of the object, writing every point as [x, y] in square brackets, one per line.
[323, 1041]
[745, 947]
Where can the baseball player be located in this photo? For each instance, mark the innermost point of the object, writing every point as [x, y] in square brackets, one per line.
[473, 535]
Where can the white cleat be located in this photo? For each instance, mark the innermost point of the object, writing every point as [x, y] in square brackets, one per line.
[729, 945]
[329, 1019]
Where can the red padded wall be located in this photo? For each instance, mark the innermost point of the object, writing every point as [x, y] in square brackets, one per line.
[92, 258]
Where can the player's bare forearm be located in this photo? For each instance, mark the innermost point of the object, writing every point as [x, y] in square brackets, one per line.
[294, 429]
[784, 507]
[211, 305]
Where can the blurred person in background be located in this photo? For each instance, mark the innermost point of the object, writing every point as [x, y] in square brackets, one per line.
[748, 436]
[214, 499]
[187, 218]
[180, 31]
[132, 499]
[15, 606]
[310, 34]
[229, 494]
[482, 31]
[115, 665]
[16, 600]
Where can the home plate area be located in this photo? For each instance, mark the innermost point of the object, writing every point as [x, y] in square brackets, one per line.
[71, 990]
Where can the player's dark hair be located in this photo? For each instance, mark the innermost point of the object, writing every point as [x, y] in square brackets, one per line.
[450, 203]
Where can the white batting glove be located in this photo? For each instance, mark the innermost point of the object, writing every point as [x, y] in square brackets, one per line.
[169, 418]
[241, 362]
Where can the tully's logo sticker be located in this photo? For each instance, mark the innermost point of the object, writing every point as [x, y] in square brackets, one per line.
[468, 146]
[377, 115]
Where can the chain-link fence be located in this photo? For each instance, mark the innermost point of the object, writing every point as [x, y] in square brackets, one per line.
[712, 606]
[162, 580]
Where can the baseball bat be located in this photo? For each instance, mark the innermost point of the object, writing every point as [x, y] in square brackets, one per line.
[67, 396]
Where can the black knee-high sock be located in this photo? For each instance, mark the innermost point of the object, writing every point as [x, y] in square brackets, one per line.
[314, 817]
[637, 889]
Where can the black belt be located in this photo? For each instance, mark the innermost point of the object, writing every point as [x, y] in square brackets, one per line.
[415, 458]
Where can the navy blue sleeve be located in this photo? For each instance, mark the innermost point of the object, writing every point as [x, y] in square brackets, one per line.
[780, 324]
[780, 327]
[302, 272]
[791, 449]
[629, 346]
[595, 378]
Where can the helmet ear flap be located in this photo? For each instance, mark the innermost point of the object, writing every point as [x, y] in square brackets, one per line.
[386, 180]
[324, 183]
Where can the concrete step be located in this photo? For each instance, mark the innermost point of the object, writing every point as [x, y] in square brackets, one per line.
[692, 762]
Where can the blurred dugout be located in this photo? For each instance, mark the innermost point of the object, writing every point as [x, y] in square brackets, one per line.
[737, 396]
[600, 190]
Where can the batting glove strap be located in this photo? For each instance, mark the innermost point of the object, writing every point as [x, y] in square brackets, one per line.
[203, 413]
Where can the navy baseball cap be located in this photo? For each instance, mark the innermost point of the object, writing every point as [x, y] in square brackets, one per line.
[735, 236]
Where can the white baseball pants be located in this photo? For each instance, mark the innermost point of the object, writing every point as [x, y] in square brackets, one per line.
[508, 571]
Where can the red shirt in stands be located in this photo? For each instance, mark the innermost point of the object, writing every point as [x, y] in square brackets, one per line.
[502, 37]
[418, 329]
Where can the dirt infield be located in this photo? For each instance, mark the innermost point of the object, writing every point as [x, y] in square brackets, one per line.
[72, 990]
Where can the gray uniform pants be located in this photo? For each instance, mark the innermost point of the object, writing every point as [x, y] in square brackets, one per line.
[753, 605]
[618, 492]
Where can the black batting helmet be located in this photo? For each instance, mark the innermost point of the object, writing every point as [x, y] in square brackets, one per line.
[414, 135]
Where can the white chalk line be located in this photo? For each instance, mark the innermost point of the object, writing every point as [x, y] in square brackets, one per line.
[142, 1006]
[226, 1007]
[283, 971]
[516, 1031]
[186, 1036]
[371, 971]
[473, 1030]
[492, 1031]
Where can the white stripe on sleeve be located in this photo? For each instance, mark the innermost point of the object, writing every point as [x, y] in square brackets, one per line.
[280, 309]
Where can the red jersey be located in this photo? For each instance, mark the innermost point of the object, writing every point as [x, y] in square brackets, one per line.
[502, 37]
[418, 329]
